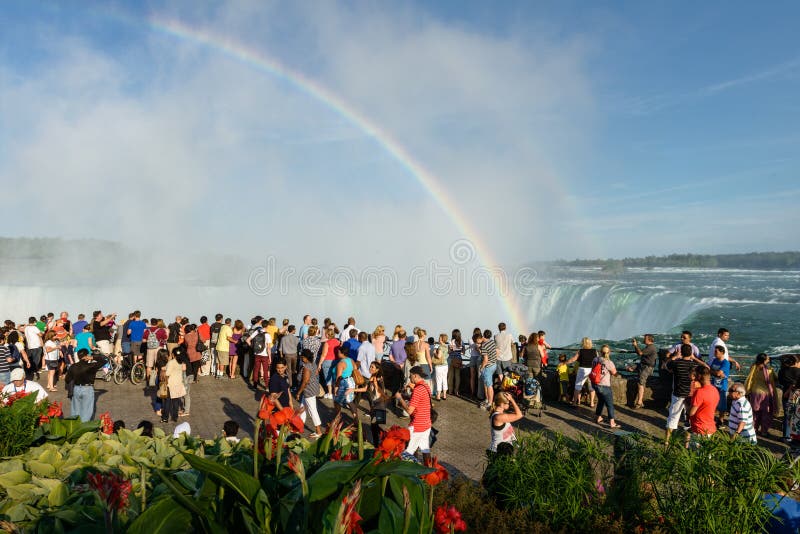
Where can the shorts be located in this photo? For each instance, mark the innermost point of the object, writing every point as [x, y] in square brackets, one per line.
[5, 377]
[150, 358]
[126, 347]
[582, 377]
[223, 357]
[136, 348]
[564, 386]
[52, 365]
[645, 371]
[488, 373]
[104, 346]
[503, 365]
[677, 405]
[419, 440]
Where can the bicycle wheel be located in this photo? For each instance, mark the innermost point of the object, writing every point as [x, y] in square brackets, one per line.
[137, 372]
[119, 375]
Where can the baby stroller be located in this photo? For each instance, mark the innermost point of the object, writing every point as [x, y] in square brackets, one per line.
[526, 390]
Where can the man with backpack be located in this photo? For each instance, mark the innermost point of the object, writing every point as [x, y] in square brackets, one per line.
[155, 338]
[213, 330]
[261, 343]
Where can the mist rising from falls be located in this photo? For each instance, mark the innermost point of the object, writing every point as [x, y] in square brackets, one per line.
[568, 311]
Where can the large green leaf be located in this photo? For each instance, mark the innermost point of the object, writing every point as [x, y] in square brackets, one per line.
[330, 477]
[13, 478]
[391, 518]
[163, 516]
[370, 504]
[242, 483]
[398, 467]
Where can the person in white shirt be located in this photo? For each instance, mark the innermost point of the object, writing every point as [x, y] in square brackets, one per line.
[723, 335]
[344, 335]
[33, 339]
[366, 355]
[504, 355]
[20, 384]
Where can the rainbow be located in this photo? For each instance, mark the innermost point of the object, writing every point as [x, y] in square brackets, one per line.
[336, 104]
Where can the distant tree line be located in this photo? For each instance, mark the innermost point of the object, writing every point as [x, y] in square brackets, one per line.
[750, 260]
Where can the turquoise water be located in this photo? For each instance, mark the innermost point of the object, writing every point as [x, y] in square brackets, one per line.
[760, 308]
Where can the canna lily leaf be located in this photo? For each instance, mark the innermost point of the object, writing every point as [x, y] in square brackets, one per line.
[14, 478]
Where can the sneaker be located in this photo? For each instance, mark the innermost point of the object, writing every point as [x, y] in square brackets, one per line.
[314, 435]
[328, 396]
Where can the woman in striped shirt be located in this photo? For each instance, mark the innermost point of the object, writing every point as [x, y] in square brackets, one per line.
[740, 421]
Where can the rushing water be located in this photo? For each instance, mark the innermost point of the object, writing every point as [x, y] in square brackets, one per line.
[760, 308]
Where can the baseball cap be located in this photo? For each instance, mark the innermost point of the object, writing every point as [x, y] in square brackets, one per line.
[17, 374]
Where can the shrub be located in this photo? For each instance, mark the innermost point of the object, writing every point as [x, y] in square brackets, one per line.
[559, 481]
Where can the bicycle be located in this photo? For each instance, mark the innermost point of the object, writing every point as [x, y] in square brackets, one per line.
[127, 369]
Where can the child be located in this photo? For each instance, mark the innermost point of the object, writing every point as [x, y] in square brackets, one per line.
[543, 346]
[229, 431]
[563, 377]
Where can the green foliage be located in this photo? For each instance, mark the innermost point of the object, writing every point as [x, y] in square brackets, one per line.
[751, 260]
[636, 484]
[559, 481]
[302, 490]
[19, 423]
[715, 486]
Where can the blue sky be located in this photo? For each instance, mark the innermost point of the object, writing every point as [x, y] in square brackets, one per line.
[561, 129]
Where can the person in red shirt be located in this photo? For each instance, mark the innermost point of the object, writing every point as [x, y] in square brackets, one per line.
[543, 346]
[419, 409]
[204, 330]
[704, 402]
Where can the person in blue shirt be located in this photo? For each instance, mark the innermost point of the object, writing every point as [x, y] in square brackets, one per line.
[84, 340]
[353, 344]
[720, 371]
[136, 330]
[77, 326]
[785, 512]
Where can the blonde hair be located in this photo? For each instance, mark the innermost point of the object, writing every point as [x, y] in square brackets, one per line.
[499, 398]
[330, 333]
[379, 331]
[586, 343]
[603, 352]
[421, 333]
[442, 338]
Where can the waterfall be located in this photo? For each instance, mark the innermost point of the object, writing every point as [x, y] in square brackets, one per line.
[568, 311]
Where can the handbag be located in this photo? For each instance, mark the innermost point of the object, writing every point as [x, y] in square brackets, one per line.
[200, 346]
[163, 390]
[358, 378]
[434, 414]
[379, 416]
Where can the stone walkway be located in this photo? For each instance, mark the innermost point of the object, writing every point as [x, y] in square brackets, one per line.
[463, 427]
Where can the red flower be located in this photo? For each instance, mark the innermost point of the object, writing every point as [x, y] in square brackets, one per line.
[106, 424]
[295, 463]
[448, 519]
[337, 455]
[112, 488]
[287, 416]
[266, 408]
[54, 410]
[393, 443]
[14, 397]
[439, 475]
[348, 518]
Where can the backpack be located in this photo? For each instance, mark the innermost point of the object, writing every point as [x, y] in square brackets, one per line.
[597, 372]
[152, 340]
[259, 342]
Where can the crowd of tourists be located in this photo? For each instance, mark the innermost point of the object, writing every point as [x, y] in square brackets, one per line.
[382, 370]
